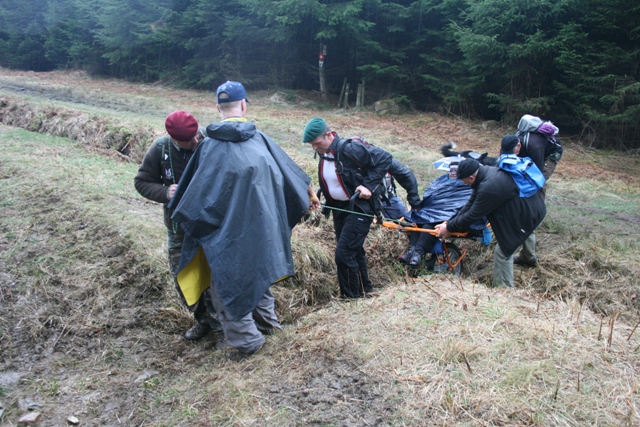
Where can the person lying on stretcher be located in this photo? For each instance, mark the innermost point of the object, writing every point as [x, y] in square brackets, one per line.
[441, 200]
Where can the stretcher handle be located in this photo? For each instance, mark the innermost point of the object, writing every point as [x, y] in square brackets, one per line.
[396, 226]
[352, 200]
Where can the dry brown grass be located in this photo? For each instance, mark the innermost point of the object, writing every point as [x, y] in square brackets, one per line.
[484, 357]
[105, 136]
[90, 324]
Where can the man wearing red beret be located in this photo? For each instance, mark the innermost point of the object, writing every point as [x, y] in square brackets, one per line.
[157, 180]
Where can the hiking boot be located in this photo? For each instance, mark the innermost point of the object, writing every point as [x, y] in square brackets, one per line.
[267, 330]
[371, 292]
[222, 345]
[215, 325]
[239, 356]
[521, 261]
[416, 257]
[197, 331]
[406, 255]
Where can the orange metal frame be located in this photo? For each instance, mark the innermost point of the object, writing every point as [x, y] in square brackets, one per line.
[414, 228]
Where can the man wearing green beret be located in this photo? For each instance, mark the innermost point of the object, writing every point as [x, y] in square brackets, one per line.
[347, 167]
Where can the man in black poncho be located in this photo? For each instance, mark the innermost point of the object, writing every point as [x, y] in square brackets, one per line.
[238, 200]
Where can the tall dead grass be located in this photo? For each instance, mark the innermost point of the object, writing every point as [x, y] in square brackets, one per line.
[440, 353]
[106, 136]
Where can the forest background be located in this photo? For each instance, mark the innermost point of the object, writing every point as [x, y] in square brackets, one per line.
[576, 62]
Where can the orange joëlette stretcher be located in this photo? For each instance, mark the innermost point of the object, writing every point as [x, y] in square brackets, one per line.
[402, 225]
[407, 226]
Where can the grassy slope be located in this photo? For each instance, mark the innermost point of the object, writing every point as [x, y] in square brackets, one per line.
[89, 324]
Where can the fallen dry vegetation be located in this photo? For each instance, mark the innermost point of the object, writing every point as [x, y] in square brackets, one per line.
[90, 326]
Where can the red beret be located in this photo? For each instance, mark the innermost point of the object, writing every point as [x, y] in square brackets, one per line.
[181, 125]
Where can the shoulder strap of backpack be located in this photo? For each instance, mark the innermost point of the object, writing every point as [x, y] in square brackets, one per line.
[339, 152]
[342, 143]
[166, 163]
[161, 145]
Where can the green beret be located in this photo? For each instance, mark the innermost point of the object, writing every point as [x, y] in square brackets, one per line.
[313, 129]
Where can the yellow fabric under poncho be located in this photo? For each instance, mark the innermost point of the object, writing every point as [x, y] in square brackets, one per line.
[195, 278]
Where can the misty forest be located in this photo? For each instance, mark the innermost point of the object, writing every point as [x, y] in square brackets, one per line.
[575, 62]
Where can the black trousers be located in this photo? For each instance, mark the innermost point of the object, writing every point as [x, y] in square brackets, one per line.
[351, 232]
[423, 240]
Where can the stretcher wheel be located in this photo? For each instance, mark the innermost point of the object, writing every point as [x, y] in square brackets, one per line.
[439, 264]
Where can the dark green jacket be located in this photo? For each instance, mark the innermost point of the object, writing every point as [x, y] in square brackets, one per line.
[162, 166]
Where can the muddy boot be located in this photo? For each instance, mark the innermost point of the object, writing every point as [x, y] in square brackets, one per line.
[197, 331]
[406, 255]
[518, 260]
[416, 257]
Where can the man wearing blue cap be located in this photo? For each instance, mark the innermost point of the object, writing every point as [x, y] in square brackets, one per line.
[238, 200]
[348, 167]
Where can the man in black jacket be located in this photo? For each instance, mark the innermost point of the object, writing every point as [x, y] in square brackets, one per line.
[536, 147]
[347, 167]
[157, 180]
[513, 218]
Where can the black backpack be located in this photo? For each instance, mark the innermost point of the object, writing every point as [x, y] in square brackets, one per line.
[374, 202]
[388, 183]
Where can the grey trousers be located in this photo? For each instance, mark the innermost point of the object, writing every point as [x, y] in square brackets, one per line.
[502, 269]
[246, 334]
[528, 249]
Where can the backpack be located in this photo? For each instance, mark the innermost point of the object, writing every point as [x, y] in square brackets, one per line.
[388, 184]
[529, 123]
[374, 202]
[524, 172]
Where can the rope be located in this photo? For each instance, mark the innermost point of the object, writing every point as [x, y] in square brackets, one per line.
[347, 210]
[397, 221]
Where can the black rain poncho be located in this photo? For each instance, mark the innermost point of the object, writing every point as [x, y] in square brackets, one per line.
[239, 199]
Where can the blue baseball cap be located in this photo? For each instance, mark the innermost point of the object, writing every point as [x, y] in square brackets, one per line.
[234, 90]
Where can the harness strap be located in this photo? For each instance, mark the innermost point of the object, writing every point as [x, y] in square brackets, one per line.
[166, 145]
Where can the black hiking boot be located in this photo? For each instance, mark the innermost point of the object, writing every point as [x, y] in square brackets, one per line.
[406, 255]
[197, 331]
[521, 261]
[416, 257]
